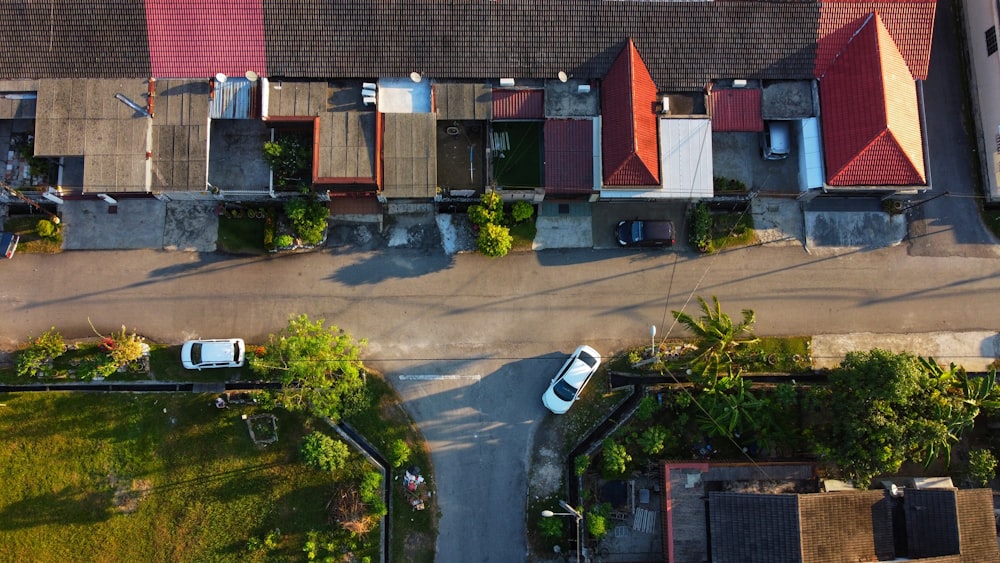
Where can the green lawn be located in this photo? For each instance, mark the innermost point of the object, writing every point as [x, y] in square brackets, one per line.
[241, 236]
[149, 477]
[24, 225]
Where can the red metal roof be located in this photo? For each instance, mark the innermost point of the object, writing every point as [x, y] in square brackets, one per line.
[909, 22]
[628, 137]
[869, 109]
[518, 104]
[569, 155]
[194, 38]
[736, 109]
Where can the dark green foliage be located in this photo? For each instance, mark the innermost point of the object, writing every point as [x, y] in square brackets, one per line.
[308, 219]
[288, 158]
[522, 211]
[615, 457]
[370, 490]
[580, 464]
[717, 338]
[982, 467]
[36, 360]
[701, 229]
[552, 528]
[721, 184]
[647, 407]
[322, 452]
[652, 440]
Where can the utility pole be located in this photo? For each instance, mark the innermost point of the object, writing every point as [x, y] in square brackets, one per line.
[20, 196]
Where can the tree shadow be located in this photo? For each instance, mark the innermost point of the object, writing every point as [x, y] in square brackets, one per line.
[67, 506]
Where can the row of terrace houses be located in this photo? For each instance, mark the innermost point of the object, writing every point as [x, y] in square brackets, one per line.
[423, 100]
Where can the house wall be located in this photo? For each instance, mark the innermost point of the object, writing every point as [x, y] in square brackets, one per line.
[980, 16]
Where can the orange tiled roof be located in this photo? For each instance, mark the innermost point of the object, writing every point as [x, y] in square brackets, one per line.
[631, 157]
[870, 115]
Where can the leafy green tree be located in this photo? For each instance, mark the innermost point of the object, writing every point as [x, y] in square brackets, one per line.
[319, 367]
[47, 229]
[716, 338]
[35, 360]
[370, 490]
[730, 408]
[551, 528]
[494, 240]
[597, 520]
[888, 408]
[616, 458]
[647, 407]
[322, 452]
[580, 464]
[488, 211]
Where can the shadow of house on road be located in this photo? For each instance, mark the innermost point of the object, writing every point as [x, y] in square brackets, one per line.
[391, 264]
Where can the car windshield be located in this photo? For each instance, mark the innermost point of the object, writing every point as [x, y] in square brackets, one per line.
[196, 353]
[636, 232]
[588, 359]
[564, 390]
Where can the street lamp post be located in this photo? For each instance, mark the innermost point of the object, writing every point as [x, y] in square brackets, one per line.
[571, 512]
[652, 341]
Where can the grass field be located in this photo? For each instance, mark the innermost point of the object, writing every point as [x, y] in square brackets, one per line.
[150, 477]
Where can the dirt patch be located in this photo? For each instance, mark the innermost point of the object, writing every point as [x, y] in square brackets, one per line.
[128, 495]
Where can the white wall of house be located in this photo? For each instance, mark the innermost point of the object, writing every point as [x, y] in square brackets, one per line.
[980, 17]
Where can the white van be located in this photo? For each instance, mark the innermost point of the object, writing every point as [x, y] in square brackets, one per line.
[775, 140]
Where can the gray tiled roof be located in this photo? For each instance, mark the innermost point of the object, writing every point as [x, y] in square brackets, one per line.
[685, 44]
[931, 522]
[749, 528]
[74, 39]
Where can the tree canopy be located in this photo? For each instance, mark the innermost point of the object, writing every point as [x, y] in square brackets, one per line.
[319, 367]
[716, 337]
[887, 409]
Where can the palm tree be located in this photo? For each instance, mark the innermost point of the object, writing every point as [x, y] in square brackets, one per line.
[716, 338]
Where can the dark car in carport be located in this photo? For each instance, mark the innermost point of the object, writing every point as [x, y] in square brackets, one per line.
[645, 233]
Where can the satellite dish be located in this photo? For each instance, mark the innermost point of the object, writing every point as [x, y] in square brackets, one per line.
[415, 76]
[562, 76]
[220, 78]
[251, 76]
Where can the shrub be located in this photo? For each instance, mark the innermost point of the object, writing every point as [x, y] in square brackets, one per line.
[128, 347]
[399, 453]
[522, 211]
[653, 439]
[322, 452]
[701, 229]
[308, 218]
[284, 241]
[46, 229]
[580, 464]
[551, 528]
[597, 521]
[616, 459]
[494, 240]
[288, 157]
[647, 407]
[36, 359]
[982, 466]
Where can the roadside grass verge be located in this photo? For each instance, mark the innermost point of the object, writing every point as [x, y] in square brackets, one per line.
[413, 532]
[524, 234]
[130, 477]
[31, 241]
[732, 230]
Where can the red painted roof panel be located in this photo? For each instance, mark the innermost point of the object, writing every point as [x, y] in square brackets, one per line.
[736, 109]
[569, 155]
[628, 139]
[194, 38]
[518, 104]
[869, 108]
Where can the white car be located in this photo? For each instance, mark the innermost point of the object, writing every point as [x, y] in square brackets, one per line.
[570, 380]
[204, 354]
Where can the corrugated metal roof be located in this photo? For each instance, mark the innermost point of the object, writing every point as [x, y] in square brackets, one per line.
[194, 38]
[236, 98]
[870, 113]
[686, 154]
[736, 109]
[518, 104]
[628, 138]
[569, 155]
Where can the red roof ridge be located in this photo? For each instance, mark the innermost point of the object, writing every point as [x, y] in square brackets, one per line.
[629, 135]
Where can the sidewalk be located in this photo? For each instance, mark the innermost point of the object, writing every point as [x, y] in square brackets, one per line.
[974, 350]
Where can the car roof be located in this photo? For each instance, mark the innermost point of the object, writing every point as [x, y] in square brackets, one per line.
[213, 351]
[659, 229]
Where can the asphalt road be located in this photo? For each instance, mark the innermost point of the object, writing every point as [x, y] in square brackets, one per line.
[495, 329]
